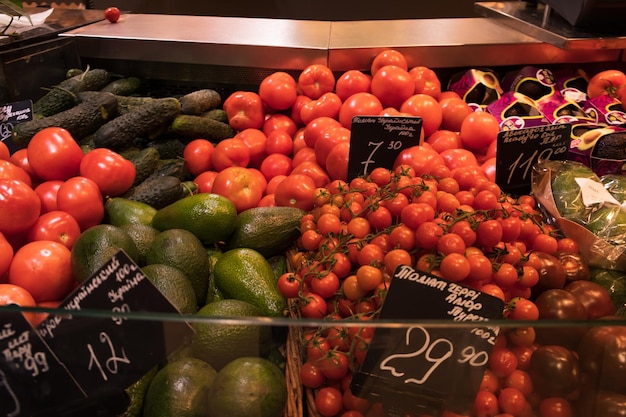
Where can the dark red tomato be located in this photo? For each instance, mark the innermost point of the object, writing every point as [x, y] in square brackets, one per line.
[43, 268]
[554, 370]
[81, 198]
[595, 298]
[57, 226]
[558, 304]
[47, 192]
[550, 269]
[297, 190]
[576, 267]
[197, 155]
[555, 407]
[602, 358]
[10, 171]
[112, 14]
[54, 154]
[20, 206]
[605, 403]
[113, 173]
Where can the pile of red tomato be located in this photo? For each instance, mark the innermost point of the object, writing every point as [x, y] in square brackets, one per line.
[50, 192]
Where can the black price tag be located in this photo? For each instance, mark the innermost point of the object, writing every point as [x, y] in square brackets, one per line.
[32, 380]
[519, 149]
[111, 352]
[376, 141]
[10, 115]
[421, 369]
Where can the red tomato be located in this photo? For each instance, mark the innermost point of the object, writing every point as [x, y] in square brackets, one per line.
[15, 295]
[478, 130]
[422, 159]
[313, 170]
[197, 155]
[276, 164]
[5, 154]
[606, 82]
[427, 108]
[489, 167]
[426, 81]
[279, 141]
[6, 255]
[312, 306]
[81, 198]
[57, 226]
[316, 80]
[256, 141]
[304, 154]
[10, 171]
[112, 14]
[296, 109]
[279, 121]
[43, 268]
[458, 157]
[20, 159]
[352, 82]
[363, 104]
[230, 153]
[337, 161]
[19, 205]
[327, 105]
[205, 181]
[47, 192]
[297, 190]
[392, 85]
[315, 128]
[442, 139]
[244, 110]
[240, 185]
[327, 141]
[278, 90]
[113, 173]
[54, 154]
[388, 57]
[453, 110]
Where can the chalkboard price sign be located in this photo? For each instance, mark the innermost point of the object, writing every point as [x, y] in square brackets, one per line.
[376, 141]
[519, 149]
[113, 351]
[32, 380]
[426, 370]
[12, 114]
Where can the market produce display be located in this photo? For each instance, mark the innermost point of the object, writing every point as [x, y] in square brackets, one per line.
[242, 206]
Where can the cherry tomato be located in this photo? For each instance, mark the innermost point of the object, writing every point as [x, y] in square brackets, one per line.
[54, 154]
[197, 155]
[20, 206]
[316, 80]
[352, 82]
[240, 185]
[310, 376]
[289, 284]
[359, 104]
[112, 14]
[392, 85]
[606, 82]
[113, 173]
[230, 153]
[312, 306]
[388, 57]
[328, 401]
[81, 198]
[297, 190]
[11, 294]
[278, 90]
[244, 110]
[43, 269]
[427, 108]
[426, 81]
[57, 226]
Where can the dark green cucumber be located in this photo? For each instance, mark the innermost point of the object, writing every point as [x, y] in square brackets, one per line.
[125, 104]
[146, 162]
[64, 95]
[120, 132]
[158, 191]
[216, 114]
[81, 120]
[173, 167]
[169, 148]
[123, 86]
[199, 101]
[201, 127]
